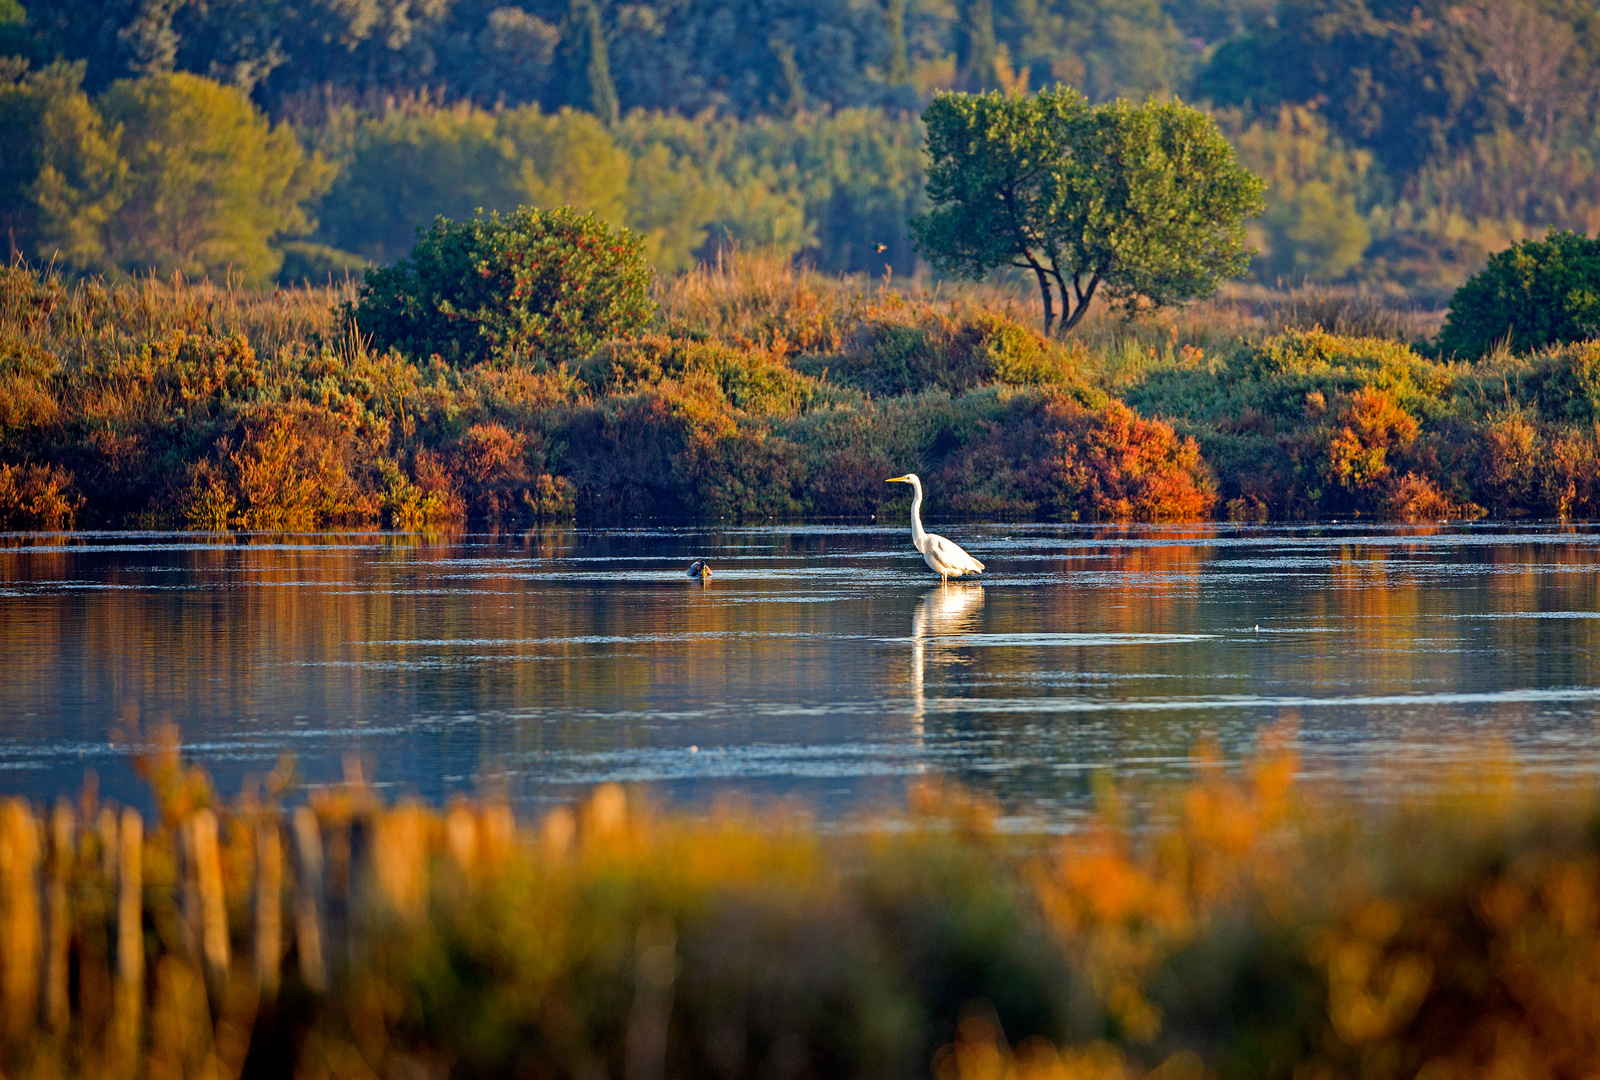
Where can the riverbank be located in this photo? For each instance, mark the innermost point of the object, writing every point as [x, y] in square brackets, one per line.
[1247, 926]
[764, 392]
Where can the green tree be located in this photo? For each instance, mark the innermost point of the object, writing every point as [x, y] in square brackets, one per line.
[976, 47]
[586, 61]
[1146, 202]
[568, 158]
[534, 285]
[1402, 78]
[1313, 228]
[1534, 294]
[61, 178]
[401, 170]
[211, 184]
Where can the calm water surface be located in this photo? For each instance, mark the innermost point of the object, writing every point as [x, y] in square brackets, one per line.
[819, 662]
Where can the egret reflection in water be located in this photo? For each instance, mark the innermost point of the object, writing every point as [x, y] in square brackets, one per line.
[565, 659]
[946, 611]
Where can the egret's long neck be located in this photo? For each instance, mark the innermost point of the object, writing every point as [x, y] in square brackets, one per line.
[918, 537]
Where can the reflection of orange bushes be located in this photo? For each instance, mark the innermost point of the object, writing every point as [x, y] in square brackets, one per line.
[37, 497]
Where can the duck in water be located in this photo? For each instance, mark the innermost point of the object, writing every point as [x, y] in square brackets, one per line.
[699, 569]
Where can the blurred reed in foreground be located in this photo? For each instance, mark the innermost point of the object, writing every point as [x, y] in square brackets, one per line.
[1244, 927]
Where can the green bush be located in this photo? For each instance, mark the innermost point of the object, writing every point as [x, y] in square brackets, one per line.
[533, 285]
[1534, 294]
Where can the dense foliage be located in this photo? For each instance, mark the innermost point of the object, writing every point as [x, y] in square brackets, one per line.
[533, 286]
[167, 173]
[1538, 293]
[1144, 201]
[1246, 925]
[1403, 142]
[760, 392]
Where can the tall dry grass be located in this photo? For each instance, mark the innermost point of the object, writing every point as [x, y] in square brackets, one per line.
[1238, 925]
[768, 391]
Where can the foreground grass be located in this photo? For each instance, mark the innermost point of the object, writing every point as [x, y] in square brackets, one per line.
[1244, 928]
[767, 392]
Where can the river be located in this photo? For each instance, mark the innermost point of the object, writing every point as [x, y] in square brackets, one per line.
[821, 664]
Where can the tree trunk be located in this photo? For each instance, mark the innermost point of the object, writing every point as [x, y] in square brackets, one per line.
[1049, 303]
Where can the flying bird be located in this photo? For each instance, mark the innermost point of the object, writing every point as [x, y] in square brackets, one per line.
[944, 557]
[882, 248]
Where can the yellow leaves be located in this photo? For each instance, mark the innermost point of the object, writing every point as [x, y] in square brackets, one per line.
[1373, 990]
[37, 497]
[1370, 428]
[980, 1053]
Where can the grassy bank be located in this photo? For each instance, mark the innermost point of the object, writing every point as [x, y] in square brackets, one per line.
[766, 392]
[1244, 927]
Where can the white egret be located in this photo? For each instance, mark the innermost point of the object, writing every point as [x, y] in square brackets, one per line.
[944, 557]
[699, 569]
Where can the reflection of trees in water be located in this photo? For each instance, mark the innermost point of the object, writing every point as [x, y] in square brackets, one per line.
[946, 611]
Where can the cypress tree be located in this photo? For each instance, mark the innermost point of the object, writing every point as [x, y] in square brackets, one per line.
[586, 67]
[975, 45]
[894, 19]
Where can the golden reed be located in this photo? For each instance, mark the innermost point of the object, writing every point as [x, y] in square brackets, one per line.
[1449, 935]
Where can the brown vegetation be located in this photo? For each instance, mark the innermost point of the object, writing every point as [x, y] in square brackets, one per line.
[1242, 926]
[767, 392]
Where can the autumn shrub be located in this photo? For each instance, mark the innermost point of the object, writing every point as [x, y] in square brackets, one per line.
[422, 500]
[1368, 431]
[1569, 475]
[748, 377]
[1058, 456]
[1534, 294]
[765, 391]
[37, 497]
[899, 349]
[283, 469]
[1244, 922]
[1414, 498]
[535, 285]
[1510, 463]
[760, 298]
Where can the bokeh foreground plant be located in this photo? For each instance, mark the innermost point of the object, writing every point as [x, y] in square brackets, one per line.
[1238, 925]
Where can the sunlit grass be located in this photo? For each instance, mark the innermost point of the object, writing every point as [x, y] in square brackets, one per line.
[767, 391]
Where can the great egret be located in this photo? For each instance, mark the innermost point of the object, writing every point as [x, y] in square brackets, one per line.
[944, 557]
[699, 569]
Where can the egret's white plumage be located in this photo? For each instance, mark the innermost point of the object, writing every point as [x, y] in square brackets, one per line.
[944, 557]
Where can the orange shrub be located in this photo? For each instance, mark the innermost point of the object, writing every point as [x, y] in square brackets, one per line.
[1414, 498]
[1052, 454]
[1115, 465]
[490, 460]
[1570, 479]
[37, 497]
[289, 470]
[1510, 461]
[1367, 432]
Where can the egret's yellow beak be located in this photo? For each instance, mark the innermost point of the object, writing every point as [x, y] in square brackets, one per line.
[898, 480]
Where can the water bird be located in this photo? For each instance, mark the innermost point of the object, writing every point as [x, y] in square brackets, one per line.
[944, 557]
[699, 569]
